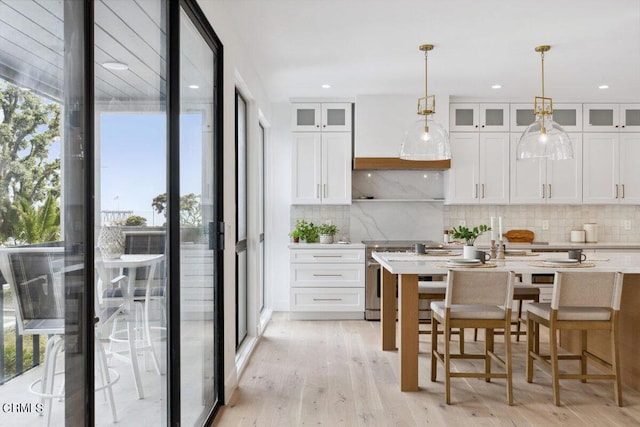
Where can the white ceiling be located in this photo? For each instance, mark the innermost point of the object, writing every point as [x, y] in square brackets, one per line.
[366, 47]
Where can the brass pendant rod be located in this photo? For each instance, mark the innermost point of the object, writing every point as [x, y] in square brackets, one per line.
[426, 66]
[542, 56]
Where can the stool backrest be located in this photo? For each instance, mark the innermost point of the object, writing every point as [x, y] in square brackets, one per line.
[479, 287]
[587, 289]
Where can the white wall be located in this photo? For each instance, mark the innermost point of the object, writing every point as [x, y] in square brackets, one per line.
[238, 72]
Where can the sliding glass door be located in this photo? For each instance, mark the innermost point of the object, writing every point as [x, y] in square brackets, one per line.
[200, 216]
[110, 213]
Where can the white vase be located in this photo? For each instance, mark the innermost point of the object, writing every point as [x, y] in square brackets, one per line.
[326, 238]
[111, 242]
[468, 251]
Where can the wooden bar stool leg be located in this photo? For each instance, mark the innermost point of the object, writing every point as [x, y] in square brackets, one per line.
[518, 323]
[508, 366]
[553, 346]
[447, 365]
[583, 354]
[615, 360]
[461, 340]
[488, 347]
[434, 347]
[530, 338]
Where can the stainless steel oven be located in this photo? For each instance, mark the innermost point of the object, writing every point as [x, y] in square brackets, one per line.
[372, 278]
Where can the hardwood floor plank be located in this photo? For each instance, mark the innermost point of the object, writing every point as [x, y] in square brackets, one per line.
[333, 373]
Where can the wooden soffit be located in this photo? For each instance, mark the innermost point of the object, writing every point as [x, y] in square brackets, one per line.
[397, 163]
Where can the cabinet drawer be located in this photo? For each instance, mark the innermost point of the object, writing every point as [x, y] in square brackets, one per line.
[328, 275]
[327, 299]
[327, 256]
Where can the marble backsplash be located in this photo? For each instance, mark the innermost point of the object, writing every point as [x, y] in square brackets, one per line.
[407, 205]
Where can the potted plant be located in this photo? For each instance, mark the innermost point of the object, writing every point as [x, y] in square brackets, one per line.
[327, 231]
[305, 231]
[469, 235]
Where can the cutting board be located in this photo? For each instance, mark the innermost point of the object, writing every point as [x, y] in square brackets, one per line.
[519, 236]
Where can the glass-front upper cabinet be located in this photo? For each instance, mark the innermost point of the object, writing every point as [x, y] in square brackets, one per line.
[569, 116]
[479, 117]
[321, 117]
[611, 117]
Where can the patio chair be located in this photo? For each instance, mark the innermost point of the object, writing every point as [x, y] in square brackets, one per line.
[35, 279]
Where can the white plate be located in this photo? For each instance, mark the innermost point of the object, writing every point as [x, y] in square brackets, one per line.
[561, 261]
[464, 261]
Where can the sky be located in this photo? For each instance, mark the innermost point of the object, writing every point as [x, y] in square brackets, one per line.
[133, 161]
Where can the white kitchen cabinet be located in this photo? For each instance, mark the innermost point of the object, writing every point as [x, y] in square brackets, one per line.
[321, 168]
[611, 174]
[541, 181]
[325, 117]
[611, 118]
[327, 283]
[479, 170]
[569, 116]
[479, 117]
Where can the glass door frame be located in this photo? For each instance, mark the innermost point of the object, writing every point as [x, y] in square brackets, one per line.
[80, 221]
[198, 19]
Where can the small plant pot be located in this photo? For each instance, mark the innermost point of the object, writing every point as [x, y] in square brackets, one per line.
[295, 239]
[326, 238]
[468, 251]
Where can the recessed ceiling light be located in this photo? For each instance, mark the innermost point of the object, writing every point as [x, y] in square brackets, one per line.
[496, 86]
[194, 87]
[326, 86]
[118, 66]
[603, 87]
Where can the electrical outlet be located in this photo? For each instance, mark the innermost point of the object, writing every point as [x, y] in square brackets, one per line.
[545, 224]
[627, 224]
[462, 223]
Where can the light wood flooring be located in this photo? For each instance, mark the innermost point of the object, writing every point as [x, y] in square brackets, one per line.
[334, 373]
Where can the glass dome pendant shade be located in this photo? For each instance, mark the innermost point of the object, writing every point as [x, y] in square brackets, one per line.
[544, 138]
[425, 139]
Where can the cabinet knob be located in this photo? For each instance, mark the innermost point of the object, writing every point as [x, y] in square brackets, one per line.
[476, 125]
[317, 126]
[482, 125]
[617, 126]
[622, 126]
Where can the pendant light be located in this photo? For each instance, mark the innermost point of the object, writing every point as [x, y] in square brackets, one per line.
[544, 138]
[426, 139]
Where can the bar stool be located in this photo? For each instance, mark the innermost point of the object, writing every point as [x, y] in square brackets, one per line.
[474, 299]
[581, 301]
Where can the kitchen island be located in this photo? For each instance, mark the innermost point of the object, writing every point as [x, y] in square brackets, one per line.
[409, 266]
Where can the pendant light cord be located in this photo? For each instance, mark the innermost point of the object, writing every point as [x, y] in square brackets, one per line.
[426, 65]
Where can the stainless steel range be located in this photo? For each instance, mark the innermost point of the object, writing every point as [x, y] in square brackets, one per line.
[372, 278]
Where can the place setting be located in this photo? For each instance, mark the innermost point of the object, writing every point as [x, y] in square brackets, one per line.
[576, 259]
[480, 259]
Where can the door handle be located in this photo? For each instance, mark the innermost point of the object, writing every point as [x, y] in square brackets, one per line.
[623, 191]
[318, 191]
[544, 193]
[549, 190]
[325, 189]
[475, 191]
[616, 191]
[483, 191]
[326, 275]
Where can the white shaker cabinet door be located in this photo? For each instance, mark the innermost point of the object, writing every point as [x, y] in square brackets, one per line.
[601, 168]
[306, 176]
[336, 168]
[464, 174]
[629, 191]
[494, 168]
[564, 177]
[528, 178]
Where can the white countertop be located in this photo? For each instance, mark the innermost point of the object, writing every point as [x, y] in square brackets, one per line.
[326, 246]
[628, 262]
[558, 246]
